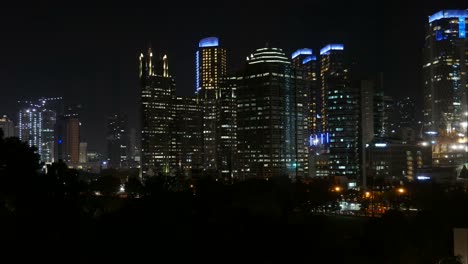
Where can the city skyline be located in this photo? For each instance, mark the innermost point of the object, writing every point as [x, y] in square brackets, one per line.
[89, 56]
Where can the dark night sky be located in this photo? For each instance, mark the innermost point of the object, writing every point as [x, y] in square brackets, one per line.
[89, 54]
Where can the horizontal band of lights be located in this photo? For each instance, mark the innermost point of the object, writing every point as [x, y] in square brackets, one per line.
[272, 56]
[309, 58]
[380, 145]
[301, 52]
[208, 42]
[329, 47]
[448, 14]
[319, 139]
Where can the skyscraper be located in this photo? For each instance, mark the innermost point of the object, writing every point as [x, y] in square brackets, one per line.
[445, 73]
[445, 70]
[157, 95]
[36, 123]
[304, 61]
[67, 139]
[188, 120]
[340, 111]
[210, 64]
[272, 108]
[226, 128]
[306, 64]
[117, 141]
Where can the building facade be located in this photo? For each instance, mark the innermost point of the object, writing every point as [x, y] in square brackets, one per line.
[211, 68]
[341, 114]
[117, 141]
[157, 112]
[445, 72]
[272, 125]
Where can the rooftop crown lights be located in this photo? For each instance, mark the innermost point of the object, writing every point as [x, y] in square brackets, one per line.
[301, 52]
[329, 47]
[208, 42]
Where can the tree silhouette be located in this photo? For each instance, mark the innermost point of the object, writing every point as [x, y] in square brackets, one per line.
[19, 167]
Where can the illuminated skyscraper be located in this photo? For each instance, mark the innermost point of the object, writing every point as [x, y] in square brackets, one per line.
[272, 109]
[36, 123]
[210, 64]
[445, 73]
[188, 120]
[306, 64]
[30, 126]
[157, 133]
[341, 113]
[117, 141]
[304, 61]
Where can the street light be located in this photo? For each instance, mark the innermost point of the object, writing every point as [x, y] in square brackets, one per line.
[401, 190]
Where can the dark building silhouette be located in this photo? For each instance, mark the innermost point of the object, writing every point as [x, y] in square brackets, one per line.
[117, 141]
[67, 139]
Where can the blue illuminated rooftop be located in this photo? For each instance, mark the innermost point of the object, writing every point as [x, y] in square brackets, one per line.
[309, 58]
[301, 52]
[208, 42]
[448, 14]
[329, 47]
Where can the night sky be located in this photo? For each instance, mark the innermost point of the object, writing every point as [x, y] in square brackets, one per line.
[89, 54]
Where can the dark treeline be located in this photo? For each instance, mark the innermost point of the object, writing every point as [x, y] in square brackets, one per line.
[58, 216]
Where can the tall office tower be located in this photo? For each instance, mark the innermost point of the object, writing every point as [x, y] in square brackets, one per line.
[188, 135]
[133, 149]
[67, 138]
[384, 116]
[340, 109]
[305, 62]
[406, 111]
[226, 129]
[272, 109]
[117, 141]
[47, 134]
[7, 126]
[445, 73]
[407, 125]
[157, 94]
[30, 126]
[367, 123]
[210, 64]
[36, 125]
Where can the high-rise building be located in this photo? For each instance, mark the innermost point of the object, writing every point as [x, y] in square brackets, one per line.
[157, 132]
[117, 141]
[210, 69]
[67, 139]
[445, 70]
[227, 128]
[341, 114]
[305, 63]
[407, 125]
[188, 120]
[30, 126]
[272, 109]
[7, 126]
[445, 73]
